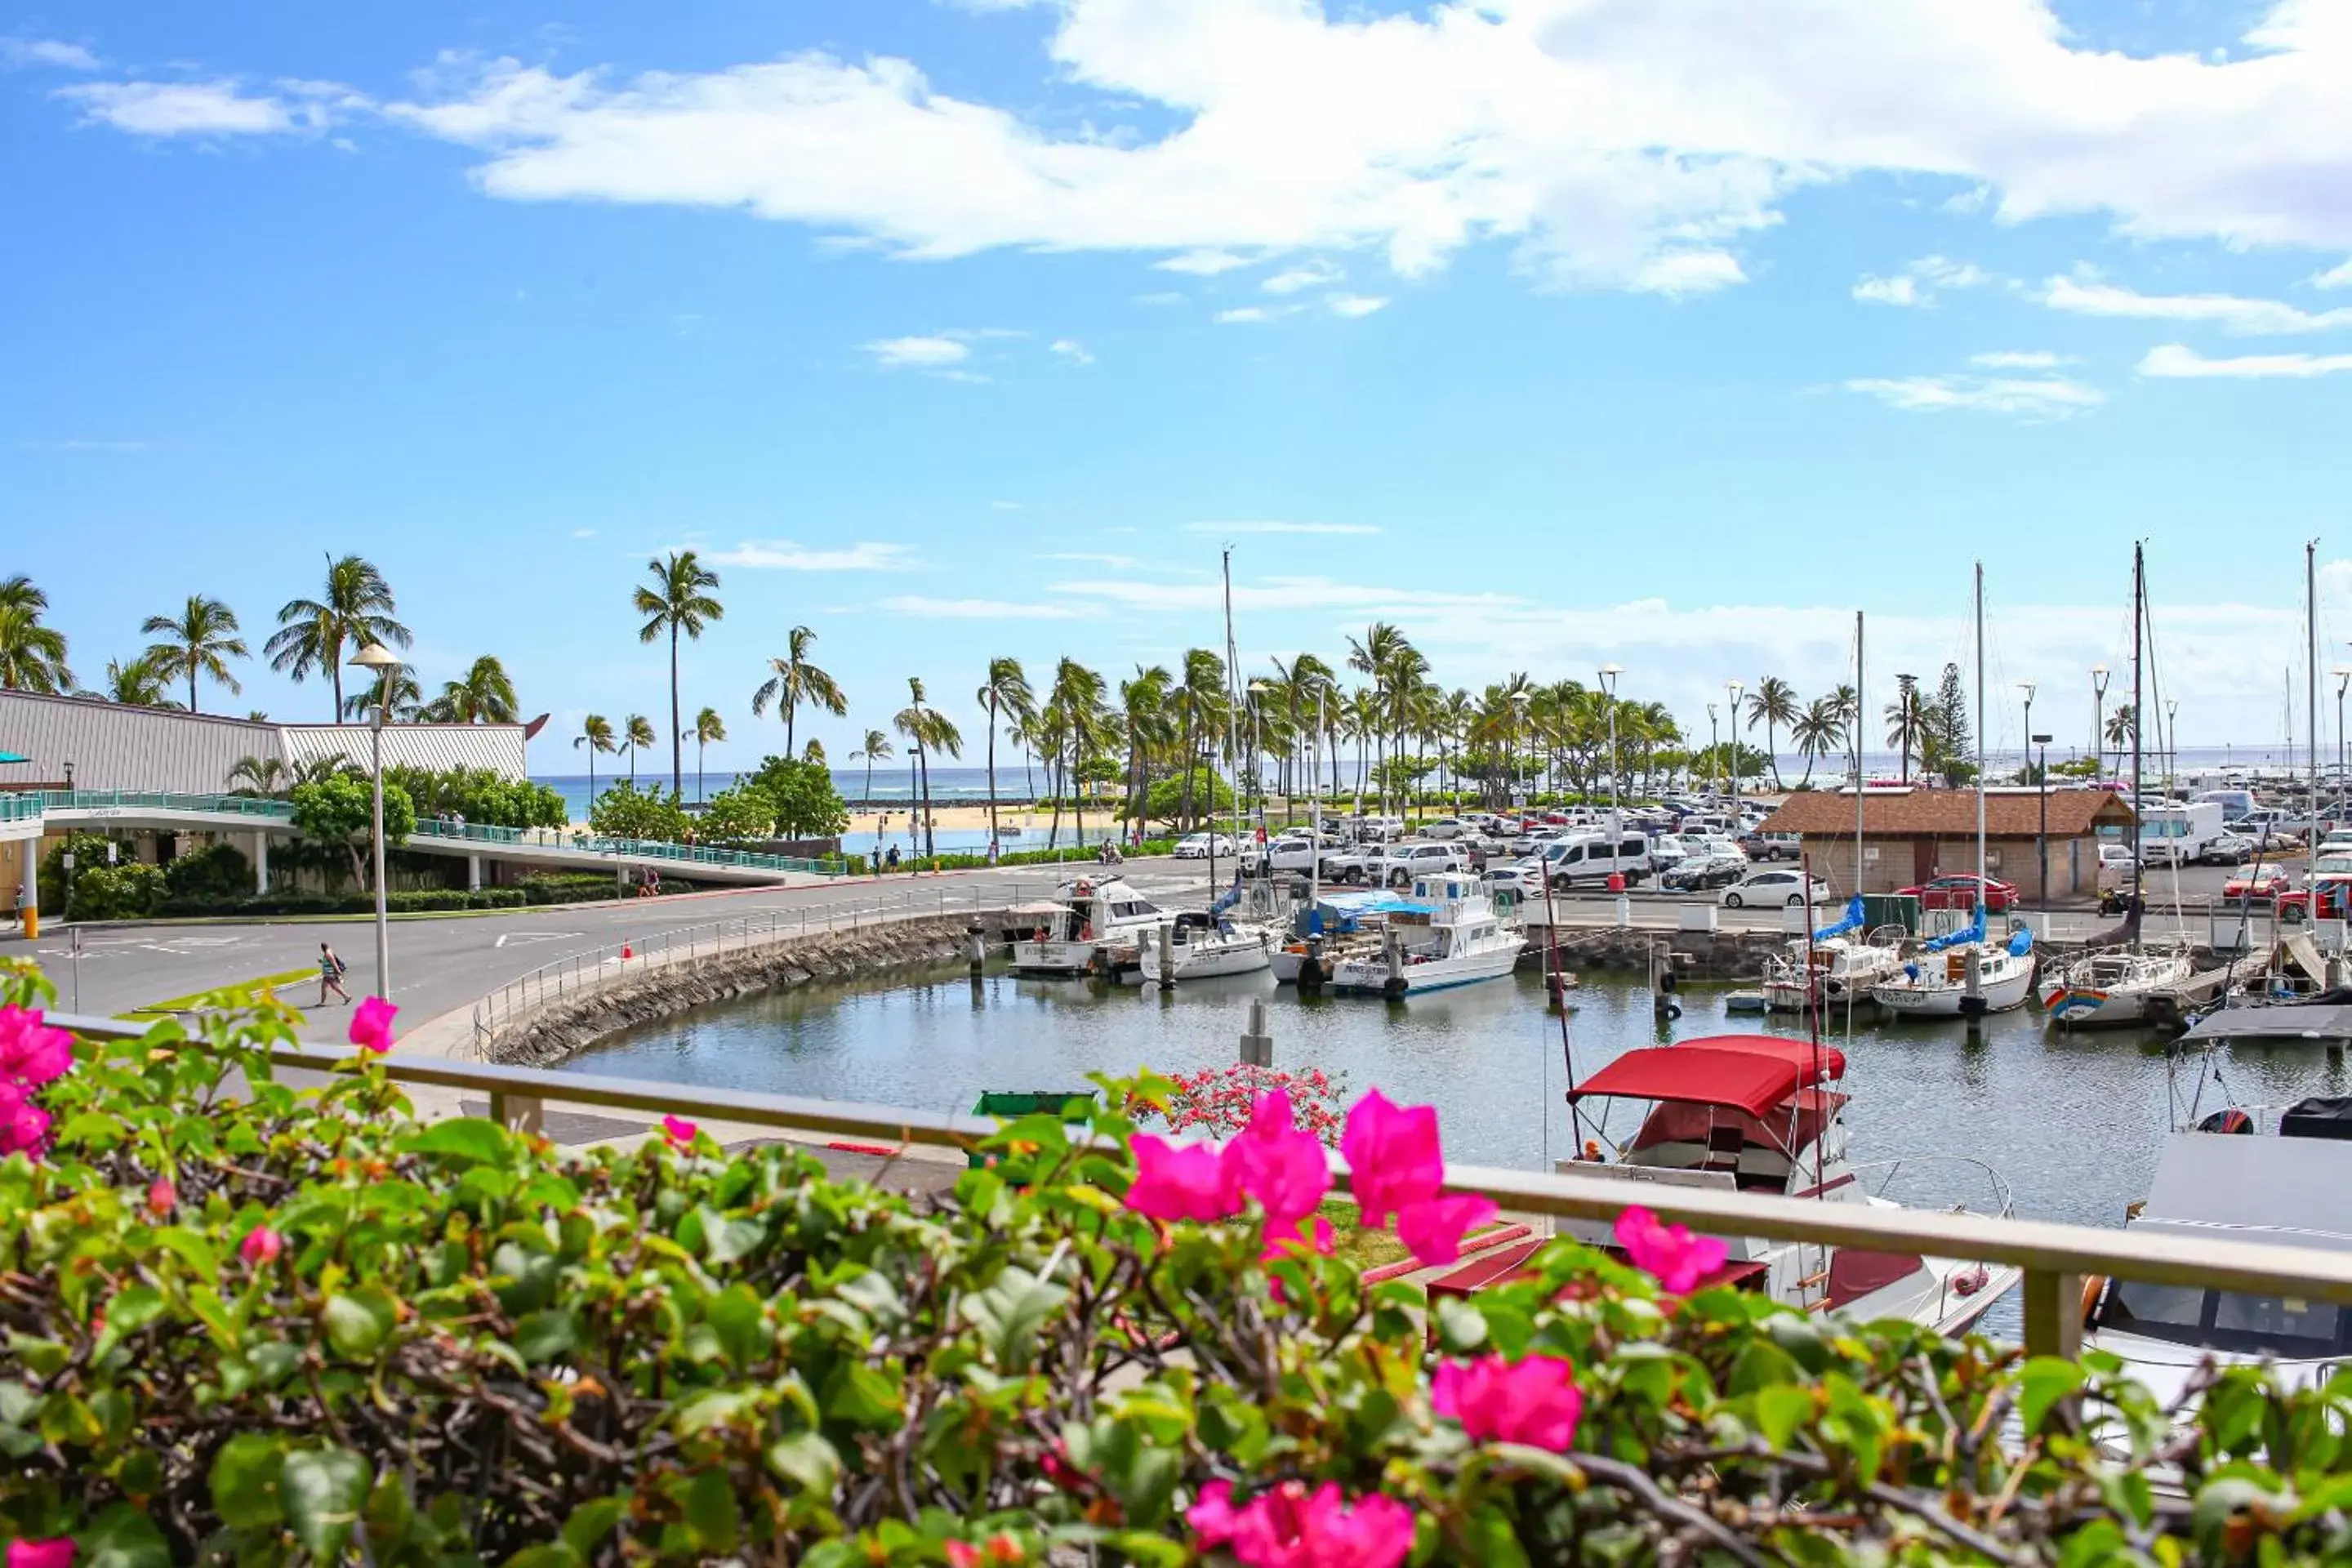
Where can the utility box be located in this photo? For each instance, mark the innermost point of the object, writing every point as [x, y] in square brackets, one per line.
[1014, 1104]
[1891, 909]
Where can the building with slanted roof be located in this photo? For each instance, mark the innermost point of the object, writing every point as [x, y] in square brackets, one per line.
[1909, 836]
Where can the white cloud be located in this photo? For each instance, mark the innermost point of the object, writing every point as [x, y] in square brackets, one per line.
[1354, 305]
[1203, 263]
[1165, 297]
[1088, 557]
[926, 608]
[1004, 506]
[218, 108]
[2038, 397]
[1249, 313]
[2014, 359]
[1277, 527]
[1682, 272]
[2088, 297]
[583, 533]
[1900, 290]
[1917, 283]
[2336, 276]
[923, 352]
[2176, 360]
[783, 555]
[1072, 349]
[18, 54]
[1314, 274]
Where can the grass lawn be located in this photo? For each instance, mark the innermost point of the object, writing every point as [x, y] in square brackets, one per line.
[183, 1004]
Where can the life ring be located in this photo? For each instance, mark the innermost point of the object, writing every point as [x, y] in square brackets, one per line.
[1086, 931]
[1038, 936]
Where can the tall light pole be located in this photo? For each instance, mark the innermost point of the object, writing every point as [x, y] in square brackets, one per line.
[1713, 738]
[2172, 743]
[2027, 687]
[1519, 702]
[380, 662]
[2042, 834]
[1609, 674]
[2098, 719]
[1735, 689]
[2343, 679]
[1258, 781]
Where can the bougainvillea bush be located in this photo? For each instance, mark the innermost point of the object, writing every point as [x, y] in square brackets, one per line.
[247, 1324]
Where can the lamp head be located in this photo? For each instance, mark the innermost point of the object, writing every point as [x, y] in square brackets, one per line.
[377, 657]
[2027, 687]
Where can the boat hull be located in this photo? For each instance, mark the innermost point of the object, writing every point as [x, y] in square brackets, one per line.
[1998, 992]
[1210, 962]
[1371, 977]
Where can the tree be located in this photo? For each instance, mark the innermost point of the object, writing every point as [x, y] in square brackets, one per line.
[875, 748]
[356, 607]
[637, 734]
[340, 809]
[678, 600]
[1906, 723]
[401, 705]
[928, 730]
[792, 680]
[708, 727]
[740, 814]
[1376, 654]
[257, 775]
[1143, 714]
[135, 683]
[1773, 703]
[1075, 708]
[32, 656]
[2122, 724]
[1005, 692]
[1946, 742]
[801, 799]
[200, 640]
[1817, 732]
[622, 811]
[596, 735]
[484, 695]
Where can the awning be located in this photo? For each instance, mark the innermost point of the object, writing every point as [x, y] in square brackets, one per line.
[1801, 1054]
[12, 757]
[1743, 1079]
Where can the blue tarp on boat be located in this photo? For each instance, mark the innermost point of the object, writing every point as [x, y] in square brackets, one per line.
[2021, 942]
[1973, 931]
[1852, 920]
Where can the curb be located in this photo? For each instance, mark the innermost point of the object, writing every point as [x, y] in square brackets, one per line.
[1485, 1241]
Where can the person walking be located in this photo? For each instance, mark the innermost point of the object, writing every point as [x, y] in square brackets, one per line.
[331, 975]
[892, 860]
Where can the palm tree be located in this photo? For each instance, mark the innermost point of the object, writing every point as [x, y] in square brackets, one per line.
[2121, 723]
[402, 698]
[1817, 732]
[257, 775]
[1375, 654]
[200, 640]
[596, 735]
[708, 727]
[637, 734]
[1143, 713]
[1906, 723]
[354, 608]
[1004, 692]
[792, 680]
[814, 751]
[135, 683]
[32, 656]
[677, 601]
[1773, 703]
[875, 748]
[1075, 704]
[484, 695]
[927, 729]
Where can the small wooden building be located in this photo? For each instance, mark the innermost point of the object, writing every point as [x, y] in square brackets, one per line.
[1909, 836]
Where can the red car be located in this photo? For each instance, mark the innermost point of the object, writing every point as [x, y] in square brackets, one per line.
[2261, 886]
[1958, 891]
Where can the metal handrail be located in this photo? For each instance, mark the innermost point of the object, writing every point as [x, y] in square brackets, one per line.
[2054, 1259]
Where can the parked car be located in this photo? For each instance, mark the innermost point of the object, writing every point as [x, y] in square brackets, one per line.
[1958, 891]
[1775, 887]
[1444, 828]
[1404, 862]
[2257, 885]
[1704, 870]
[1196, 845]
[2228, 849]
[1291, 852]
[1668, 850]
[1762, 845]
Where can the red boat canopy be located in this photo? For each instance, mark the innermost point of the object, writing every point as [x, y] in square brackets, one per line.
[1752, 1073]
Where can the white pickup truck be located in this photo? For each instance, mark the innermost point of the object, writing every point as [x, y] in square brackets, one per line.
[1404, 862]
[1288, 852]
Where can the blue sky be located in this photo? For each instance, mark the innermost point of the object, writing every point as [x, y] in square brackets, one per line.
[1559, 332]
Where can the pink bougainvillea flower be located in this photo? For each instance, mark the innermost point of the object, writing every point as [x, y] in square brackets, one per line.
[23, 1126]
[1317, 1237]
[1393, 1155]
[31, 1053]
[261, 1245]
[58, 1552]
[678, 1130]
[1290, 1528]
[1177, 1180]
[1213, 1517]
[1272, 1161]
[371, 1024]
[163, 1197]
[1432, 1231]
[1534, 1401]
[1671, 1252]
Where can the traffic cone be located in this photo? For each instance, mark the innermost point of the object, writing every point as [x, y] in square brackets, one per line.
[625, 953]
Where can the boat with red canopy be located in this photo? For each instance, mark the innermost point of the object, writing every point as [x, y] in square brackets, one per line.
[1762, 1113]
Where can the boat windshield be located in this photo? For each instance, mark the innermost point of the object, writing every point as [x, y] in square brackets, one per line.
[2289, 1327]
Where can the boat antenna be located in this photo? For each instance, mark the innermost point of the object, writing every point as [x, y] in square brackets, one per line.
[2139, 719]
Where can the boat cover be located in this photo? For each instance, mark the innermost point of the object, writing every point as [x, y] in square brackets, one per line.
[2292, 1187]
[1973, 931]
[2273, 1021]
[1802, 1053]
[1852, 921]
[1695, 1075]
[2021, 942]
[2321, 1116]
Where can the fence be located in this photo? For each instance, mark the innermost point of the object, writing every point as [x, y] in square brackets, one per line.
[582, 974]
[2056, 1259]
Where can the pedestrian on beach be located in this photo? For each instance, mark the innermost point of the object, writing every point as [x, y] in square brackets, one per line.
[331, 975]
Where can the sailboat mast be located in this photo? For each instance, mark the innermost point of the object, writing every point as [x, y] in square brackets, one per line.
[1980, 742]
[2311, 723]
[2140, 711]
[1853, 737]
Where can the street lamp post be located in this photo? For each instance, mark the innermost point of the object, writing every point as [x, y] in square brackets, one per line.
[2041, 852]
[1609, 674]
[2098, 719]
[1258, 780]
[1735, 689]
[2343, 678]
[1714, 737]
[1511, 763]
[2042, 834]
[2172, 743]
[380, 662]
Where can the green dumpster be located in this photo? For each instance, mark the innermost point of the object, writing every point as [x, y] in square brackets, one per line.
[1891, 909]
[1014, 1104]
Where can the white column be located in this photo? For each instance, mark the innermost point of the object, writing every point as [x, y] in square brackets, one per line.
[621, 877]
[474, 873]
[260, 862]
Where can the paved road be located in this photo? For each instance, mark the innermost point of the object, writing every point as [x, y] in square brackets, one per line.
[438, 966]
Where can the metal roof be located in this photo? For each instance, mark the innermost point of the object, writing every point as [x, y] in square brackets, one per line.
[1948, 814]
[2299, 1188]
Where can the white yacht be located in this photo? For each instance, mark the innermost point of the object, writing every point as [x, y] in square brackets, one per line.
[1202, 947]
[1832, 968]
[2112, 987]
[1446, 933]
[1092, 916]
[1758, 1113]
[1334, 926]
[1936, 981]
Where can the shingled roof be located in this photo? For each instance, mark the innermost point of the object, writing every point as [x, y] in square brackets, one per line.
[1948, 814]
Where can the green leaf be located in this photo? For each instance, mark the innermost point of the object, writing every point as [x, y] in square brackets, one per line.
[322, 1490]
[807, 1458]
[359, 1322]
[1780, 1410]
[862, 1396]
[739, 1320]
[122, 1537]
[727, 1240]
[592, 1522]
[1010, 1313]
[1461, 1327]
[710, 1516]
[543, 1336]
[245, 1482]
[2044, 1381]
[465, 1141]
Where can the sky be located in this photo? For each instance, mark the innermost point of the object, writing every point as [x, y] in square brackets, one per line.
[1667, 334]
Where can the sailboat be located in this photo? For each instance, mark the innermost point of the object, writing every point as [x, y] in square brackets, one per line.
[2114, 986]
[1965, 974]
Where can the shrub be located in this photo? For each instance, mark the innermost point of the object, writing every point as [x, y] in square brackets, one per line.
[340, 811]
[805, 802]
[623, 811]
[128, 891]
[216, 871]
[87, 849]
[480, 796]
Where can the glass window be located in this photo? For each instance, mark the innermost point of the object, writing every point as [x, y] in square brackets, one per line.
[2287, 1325]
[2160, 1312]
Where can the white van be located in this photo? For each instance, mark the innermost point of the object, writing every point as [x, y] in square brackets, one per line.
[2234, 802]
[1595, 857]
[2176, 835]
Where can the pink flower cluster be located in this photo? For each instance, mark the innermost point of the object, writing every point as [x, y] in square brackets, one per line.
[1219, 1101]
[1533, 1401]
[1395, 1154]
[1678, 1259]
[1290, 1527]
[31, 1054]
[371, 1024]
[58, 1552]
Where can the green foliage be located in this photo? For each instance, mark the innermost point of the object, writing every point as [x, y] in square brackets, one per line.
[743, 813]
[622, 811]
[214, 873]
[1165, 798]
[127, 891]
[480, 796]
[339, 810]
[87, 849]
[476, 1347]
[805, 803]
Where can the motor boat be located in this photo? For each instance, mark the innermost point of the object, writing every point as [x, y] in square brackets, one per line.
[1962, 975]
[1759, 1113]
[1092, 916]
[1831, 967]
[1447, 932]
[2112, 987]
[1202, 947]
[1333, 927]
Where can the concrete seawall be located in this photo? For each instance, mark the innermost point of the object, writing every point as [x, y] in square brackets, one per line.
[566, 1027]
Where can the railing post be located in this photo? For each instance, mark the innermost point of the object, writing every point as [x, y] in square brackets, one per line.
[518, 1112]
[2053, 1313]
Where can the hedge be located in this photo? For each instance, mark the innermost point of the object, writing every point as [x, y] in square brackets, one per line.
[284, 1326]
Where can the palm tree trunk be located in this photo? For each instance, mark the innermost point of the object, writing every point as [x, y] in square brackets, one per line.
[789, 713]
[192, 686]
[335, 663]
[1774, 747]
[992, 767]
[698, 795]
[677, 741]
[1078, 794]
[1054, 766]
[930, 833]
